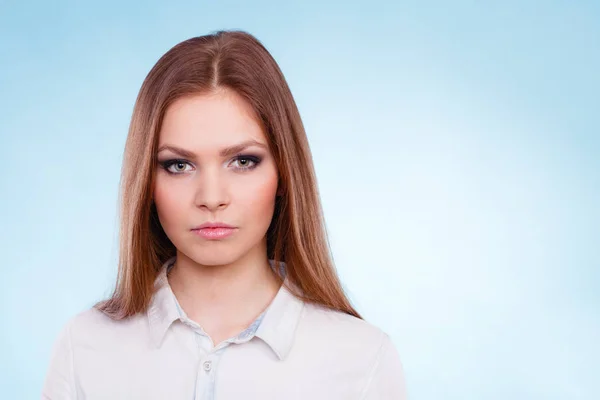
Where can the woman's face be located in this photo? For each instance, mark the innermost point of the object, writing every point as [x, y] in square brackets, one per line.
[214, 166]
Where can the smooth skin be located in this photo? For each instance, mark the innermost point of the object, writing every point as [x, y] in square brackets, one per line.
[221, 284]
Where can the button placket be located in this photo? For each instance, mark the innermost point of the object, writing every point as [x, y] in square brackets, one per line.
[205, 367]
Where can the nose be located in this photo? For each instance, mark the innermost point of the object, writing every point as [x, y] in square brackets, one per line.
[211, 192]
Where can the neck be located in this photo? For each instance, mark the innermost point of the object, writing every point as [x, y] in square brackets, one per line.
[224, 299]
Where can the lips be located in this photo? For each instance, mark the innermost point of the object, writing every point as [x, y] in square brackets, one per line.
[214, 230]
[211, 225]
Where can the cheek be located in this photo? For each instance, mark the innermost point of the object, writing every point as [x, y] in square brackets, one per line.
[258, 197]
[168, 198]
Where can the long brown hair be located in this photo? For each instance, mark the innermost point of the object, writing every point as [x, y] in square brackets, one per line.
[297, 236]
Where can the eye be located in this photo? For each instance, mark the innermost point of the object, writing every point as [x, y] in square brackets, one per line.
[246, 162]
[175, 166]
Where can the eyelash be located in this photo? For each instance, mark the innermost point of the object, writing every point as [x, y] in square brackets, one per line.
[168, 163]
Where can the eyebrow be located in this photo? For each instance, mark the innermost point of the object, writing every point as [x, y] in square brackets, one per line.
[227, 151]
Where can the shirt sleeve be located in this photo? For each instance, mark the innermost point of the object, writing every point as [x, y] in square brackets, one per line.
[386, 381]
[59, 380]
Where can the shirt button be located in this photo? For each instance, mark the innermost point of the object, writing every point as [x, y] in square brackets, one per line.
[207, 365]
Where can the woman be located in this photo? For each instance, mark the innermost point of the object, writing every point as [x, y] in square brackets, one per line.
[226, 288]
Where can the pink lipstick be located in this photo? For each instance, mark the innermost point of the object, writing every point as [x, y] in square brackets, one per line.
[214, 230]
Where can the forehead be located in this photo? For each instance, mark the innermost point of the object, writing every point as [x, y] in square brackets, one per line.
[209, 122]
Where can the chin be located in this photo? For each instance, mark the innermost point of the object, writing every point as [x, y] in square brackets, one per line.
[213, 257]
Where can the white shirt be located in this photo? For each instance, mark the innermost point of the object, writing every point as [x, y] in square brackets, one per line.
[294, 350]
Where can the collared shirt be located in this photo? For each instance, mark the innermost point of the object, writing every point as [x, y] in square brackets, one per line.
[293, 350]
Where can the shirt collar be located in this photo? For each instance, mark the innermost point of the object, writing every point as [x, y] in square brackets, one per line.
[163, 308]
[277, 325]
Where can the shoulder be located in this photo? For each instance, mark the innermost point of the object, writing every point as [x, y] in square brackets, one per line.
[339, 326]
[352, 347]
[362, 346]
[349, 338]
[93, 328]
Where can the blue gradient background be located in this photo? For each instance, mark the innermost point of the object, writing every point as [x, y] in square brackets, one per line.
[457, 148]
